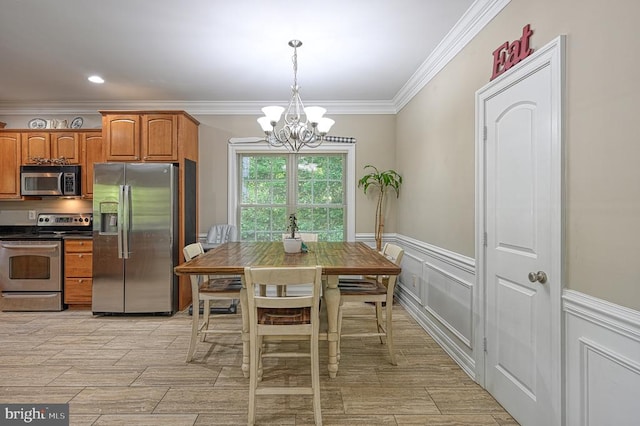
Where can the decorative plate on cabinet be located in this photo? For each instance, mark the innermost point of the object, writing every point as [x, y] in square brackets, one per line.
[38, 123]
[76, 123]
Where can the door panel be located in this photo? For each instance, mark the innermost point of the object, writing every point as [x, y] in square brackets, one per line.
[514, 180]
[514, 359]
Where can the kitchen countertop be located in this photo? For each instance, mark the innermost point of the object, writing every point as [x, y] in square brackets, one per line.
[26, 233]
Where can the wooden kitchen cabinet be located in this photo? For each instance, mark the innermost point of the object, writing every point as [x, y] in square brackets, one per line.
[154, 136]
[159, 137]
[92, 151]
[51, 144]
[66, 145]
[121, 136]
[10, 159]
[35, 145]
[78, 271]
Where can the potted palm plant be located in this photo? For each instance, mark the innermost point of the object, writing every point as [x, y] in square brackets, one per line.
[382, 182]
[292, 244]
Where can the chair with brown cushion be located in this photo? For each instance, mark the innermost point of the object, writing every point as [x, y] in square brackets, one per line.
[376, 289]
[283, 318]
[207, 288]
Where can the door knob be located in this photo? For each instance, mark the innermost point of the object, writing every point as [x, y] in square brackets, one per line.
[539, 276]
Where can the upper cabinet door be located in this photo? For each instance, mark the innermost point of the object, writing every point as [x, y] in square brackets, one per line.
[160, 137]
[92, 152]
[36, 145]
[10, 165]
[122, 134]
[66, 145]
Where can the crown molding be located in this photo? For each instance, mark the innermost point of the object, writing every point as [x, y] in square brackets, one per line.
[472, 22]
[192, 107]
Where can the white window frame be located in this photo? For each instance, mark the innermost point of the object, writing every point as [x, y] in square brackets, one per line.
[349, 150]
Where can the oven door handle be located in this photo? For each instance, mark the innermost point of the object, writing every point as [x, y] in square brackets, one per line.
[32, 295]
[29, 246]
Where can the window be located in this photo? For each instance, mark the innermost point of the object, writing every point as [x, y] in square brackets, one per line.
[267, 185]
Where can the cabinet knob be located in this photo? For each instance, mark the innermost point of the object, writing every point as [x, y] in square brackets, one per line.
[80, 256]
[80, 281]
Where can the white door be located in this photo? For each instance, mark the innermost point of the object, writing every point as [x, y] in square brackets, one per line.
[523, 242]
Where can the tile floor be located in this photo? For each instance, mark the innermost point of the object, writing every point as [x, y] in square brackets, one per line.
[131, 371]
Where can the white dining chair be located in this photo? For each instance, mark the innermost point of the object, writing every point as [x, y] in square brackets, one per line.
[283, 318]
[378, 290]
[206, 288]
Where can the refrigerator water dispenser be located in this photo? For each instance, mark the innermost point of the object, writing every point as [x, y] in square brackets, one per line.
[108, 218]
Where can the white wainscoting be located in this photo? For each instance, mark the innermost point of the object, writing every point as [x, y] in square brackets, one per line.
[602, 362]
[601, 340]
[436, 288]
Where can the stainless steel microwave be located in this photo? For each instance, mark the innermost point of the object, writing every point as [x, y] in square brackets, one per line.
[60, 181]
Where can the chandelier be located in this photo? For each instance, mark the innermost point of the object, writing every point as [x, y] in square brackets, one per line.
[301, 127]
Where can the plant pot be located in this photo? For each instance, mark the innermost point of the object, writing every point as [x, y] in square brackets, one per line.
[292, 245]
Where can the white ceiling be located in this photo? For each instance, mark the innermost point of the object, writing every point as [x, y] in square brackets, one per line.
[222, 52]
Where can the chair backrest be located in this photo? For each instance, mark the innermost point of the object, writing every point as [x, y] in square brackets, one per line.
[394, 253]
[300, 312]
[192, 250]
[219, 234]
[305, 236]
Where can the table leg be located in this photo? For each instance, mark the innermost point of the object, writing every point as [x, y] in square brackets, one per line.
[245, 330]
[332, 298]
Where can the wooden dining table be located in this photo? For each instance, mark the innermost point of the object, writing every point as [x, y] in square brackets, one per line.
[336, 258]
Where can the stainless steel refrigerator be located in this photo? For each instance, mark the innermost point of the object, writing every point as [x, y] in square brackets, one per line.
[135, 235]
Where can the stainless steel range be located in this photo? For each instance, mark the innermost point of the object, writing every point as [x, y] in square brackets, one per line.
[31, 261]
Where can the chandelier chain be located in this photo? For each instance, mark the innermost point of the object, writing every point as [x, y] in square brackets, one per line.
[295, 66]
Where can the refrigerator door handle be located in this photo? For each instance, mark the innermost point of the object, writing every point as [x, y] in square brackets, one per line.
[120, 222]
[127, 221]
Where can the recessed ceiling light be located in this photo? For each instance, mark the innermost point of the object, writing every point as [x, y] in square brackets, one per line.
[96, 79]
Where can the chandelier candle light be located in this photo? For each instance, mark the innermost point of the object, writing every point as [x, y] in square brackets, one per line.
[295, 132]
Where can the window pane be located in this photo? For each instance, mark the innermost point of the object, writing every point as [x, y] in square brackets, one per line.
[262, 223]
[263, 196]
[321, 195]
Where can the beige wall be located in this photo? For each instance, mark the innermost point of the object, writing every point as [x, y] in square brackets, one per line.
[435, 142]
[375, 136]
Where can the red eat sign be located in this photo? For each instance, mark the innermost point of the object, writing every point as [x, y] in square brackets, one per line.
[509, 54]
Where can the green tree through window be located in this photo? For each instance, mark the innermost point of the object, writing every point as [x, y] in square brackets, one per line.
[273, 185]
